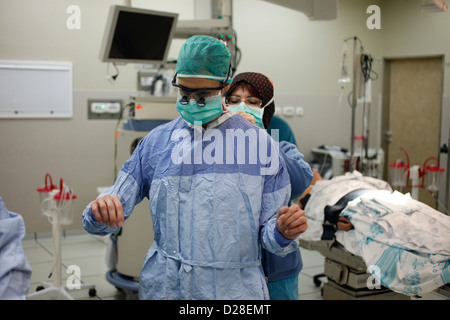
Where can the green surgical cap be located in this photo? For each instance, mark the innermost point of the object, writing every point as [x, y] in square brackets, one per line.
[204, 57]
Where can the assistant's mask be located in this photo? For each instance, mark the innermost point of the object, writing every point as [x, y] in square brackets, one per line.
[256, 112]
[191, 111]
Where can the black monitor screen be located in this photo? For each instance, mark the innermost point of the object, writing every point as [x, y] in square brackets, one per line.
[139, 36]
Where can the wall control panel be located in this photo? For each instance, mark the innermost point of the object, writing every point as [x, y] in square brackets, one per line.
[104, 109]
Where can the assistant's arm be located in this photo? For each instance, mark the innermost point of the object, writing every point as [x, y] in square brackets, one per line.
[276, 195]
[300, 173]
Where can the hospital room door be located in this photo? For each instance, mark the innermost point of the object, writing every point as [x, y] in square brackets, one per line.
[412, 101]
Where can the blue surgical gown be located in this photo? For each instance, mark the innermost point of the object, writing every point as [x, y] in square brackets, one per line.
[212, 209]
[15, 270]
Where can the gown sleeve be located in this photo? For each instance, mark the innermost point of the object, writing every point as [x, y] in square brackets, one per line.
[276, 193]
[300, 173]
[131, 186]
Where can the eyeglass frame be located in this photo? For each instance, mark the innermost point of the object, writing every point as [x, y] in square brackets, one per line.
[200, 101]
[244, 100]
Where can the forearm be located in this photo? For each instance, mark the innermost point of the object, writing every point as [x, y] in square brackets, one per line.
[273, 241]
[92, 226]
[128, 192]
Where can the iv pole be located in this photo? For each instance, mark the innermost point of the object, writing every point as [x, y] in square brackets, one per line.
[447, 188]
[359, 87]
[353, 105]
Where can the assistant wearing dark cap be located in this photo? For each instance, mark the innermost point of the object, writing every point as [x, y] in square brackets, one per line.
[260, 87]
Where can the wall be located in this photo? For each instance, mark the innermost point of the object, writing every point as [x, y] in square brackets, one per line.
[410, 33]
[78, 150]
[301, 57]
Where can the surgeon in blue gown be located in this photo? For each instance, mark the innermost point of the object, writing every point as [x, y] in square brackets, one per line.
[218, 191]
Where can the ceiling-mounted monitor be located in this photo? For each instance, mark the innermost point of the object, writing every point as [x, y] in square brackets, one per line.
[135, 35]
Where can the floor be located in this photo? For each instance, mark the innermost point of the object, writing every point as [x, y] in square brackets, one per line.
[88, 253]
[79, 249]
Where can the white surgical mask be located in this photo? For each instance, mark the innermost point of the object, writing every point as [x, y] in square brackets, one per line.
[256, 112]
